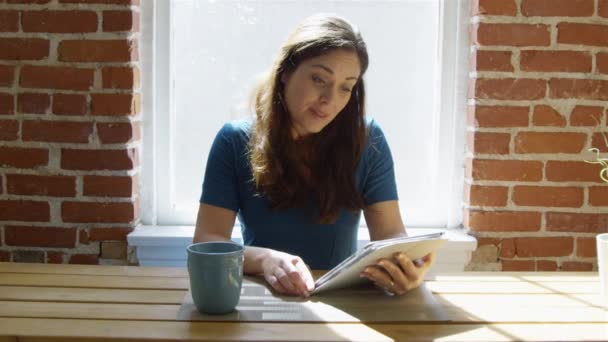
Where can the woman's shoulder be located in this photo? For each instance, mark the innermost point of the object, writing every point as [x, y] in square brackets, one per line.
[236, 130]
[237, 127]
[374, 131]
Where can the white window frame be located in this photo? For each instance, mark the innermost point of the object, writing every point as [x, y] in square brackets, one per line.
[156, 85]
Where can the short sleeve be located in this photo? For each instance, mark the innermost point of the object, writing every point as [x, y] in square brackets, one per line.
[220, 184]
[379, 182]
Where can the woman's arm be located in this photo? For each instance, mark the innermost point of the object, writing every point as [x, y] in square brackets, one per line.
[284, 272]
[398, 274]
[384, 220]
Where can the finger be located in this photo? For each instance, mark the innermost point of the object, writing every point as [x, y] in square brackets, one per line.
[429, 260]
[295, 276]
[409, 269]
[275, 284]
[378, 276]
[285, 281]
[401, 282]
[309, 281]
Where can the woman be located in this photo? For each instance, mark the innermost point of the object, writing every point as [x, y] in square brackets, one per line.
[300, 174]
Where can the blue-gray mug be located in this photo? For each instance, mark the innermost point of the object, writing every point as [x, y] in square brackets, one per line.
[216, 275]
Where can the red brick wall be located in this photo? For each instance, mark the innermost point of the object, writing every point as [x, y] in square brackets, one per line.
[538, 94]
[69, 129]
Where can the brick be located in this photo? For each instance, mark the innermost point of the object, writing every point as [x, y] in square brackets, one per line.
[576, 222]
[555, 61]
[40, 236]
[492, 196]
[28, 256]
[562, 88]
[602, 62]
[548, 196]
[59, 21]
[24, 48]
[498, 116]
[504, 221]
[576, 266]
[586, 116]
[7, 104]
[572, 171]
[123, 159]
[549, 142]
[9, 21]
[5, 256]
[585, 247]
[546, 265]
[7, 75]
[23, 158]
[507, 248]
[507, 170]
[518, 265]
[70, 104]
[512, 35]
[54, 257]
[598, 196]
[103, 2]
[111, 186]
[120, 78]
[38, 2]
[492, 61]
[600, 141]
[557, 8]
[492, 7]
[84, 259]
[56, 77]
[55, 186]
[95, 212]
[98, 51]
[56, 131]
[120, 21]
[29, 211]
[484, 142]
[114, 250]
[83, 237]
[110, 234]
[582, 34]
[547, 116]
[118, 132]
[603, 8]
[9, 130]
[545, 246]
[510, 89]
[33, 103]
[115, 104]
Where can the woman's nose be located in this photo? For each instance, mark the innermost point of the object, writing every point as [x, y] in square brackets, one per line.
[327, 95]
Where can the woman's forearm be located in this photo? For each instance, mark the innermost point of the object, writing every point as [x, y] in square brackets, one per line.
[254, 256]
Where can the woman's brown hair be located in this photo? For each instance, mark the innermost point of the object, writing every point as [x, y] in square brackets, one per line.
[331, 155]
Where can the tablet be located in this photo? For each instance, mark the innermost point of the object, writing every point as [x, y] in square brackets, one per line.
[347, 272]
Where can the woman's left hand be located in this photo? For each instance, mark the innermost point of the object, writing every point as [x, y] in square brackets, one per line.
[399, 274]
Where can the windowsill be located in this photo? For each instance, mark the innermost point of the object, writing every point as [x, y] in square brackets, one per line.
[166, 246]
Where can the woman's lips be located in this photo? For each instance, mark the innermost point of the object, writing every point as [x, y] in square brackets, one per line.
[318, 113]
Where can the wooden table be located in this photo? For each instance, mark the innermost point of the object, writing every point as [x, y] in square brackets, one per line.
[41, 302]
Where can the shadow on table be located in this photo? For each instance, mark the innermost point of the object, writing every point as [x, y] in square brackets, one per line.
[391, 317]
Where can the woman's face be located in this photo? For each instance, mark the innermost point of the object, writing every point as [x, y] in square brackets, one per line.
[318, 89]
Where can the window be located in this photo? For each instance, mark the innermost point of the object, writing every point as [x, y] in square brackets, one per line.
[201, 58]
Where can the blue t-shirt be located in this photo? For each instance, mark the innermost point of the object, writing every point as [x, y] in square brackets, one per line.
[228, 183]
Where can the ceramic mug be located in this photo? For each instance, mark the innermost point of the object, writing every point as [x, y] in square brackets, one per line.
[216, 275]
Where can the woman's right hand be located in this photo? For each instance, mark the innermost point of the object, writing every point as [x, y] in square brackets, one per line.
[287, 274]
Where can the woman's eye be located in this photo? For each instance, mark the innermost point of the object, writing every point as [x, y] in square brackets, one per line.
[346, 90]
[318, 79]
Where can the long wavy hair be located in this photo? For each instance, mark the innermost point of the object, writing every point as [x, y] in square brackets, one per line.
[332, 154]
